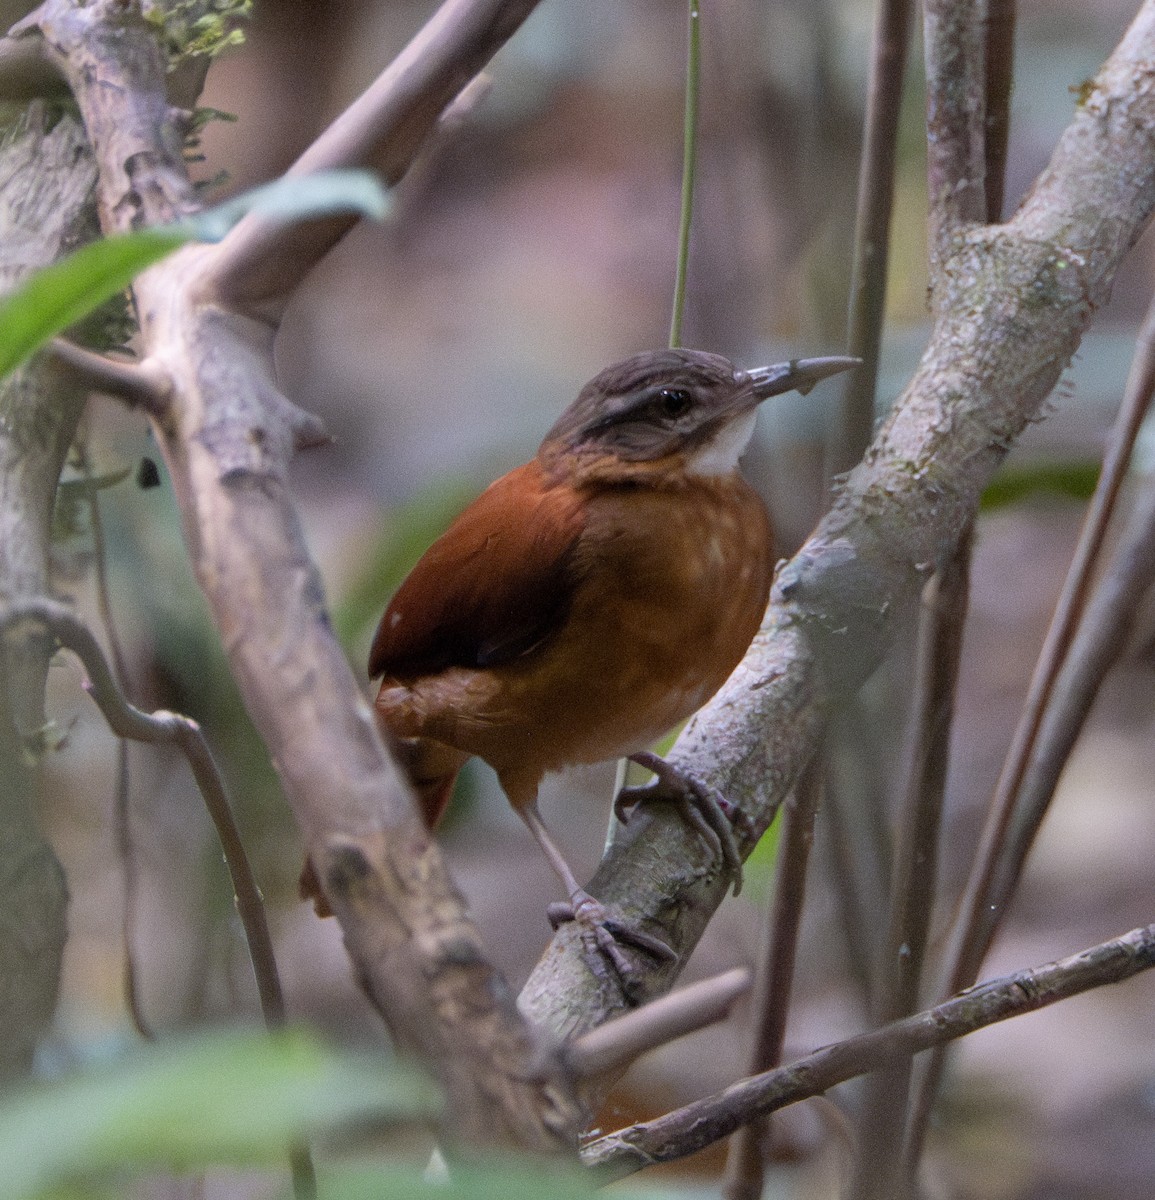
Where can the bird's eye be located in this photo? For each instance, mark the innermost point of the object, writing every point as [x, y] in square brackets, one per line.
[674, 402]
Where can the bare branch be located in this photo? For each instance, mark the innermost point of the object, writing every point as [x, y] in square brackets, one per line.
[610, 1048]
[689, 1129]
[1015, 300]
[262, 260]
[108, 53]
[953, 33]
[46, 181]
[227, 436]
[145, 385]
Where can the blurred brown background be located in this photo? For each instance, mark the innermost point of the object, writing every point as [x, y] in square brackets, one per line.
[533, 244]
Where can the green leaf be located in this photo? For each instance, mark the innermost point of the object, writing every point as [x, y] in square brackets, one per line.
[59, 295]
[236, 1097]
[296, 198]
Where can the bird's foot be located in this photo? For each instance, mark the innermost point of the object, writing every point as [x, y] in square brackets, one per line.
[605, 938]
[703, 807]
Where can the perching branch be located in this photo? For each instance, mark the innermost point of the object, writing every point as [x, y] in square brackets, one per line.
[689, 1129]
[1012, 303]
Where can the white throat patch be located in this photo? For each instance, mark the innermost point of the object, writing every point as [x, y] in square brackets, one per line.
[720, 455]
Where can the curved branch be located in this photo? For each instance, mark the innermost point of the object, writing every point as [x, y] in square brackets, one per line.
[185, 734]
[1015, 300]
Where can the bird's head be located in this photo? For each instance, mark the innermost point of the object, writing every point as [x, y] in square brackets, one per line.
[670, 411]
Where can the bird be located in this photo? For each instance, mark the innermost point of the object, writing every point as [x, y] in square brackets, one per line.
[590, 600]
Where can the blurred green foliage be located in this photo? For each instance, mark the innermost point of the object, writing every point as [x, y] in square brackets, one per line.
[223, 1098]
[1016, 482]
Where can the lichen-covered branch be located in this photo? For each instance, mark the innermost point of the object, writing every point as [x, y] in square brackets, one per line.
[1013, 301]
[46, 183]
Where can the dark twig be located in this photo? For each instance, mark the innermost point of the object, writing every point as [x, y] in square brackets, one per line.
[882, 1116]
[689, 1129]
[689, 167]
[872, 232]
[166, 727]
[998, 73]
[1000, 65]
[775, 978]
[121, 813]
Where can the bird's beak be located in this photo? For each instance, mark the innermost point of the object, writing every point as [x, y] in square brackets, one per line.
[797, 375]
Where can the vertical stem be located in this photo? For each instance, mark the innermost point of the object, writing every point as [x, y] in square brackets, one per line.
[882, 1119]
[1000, 60]
[872, 232]
[775, 976]
[689, 165]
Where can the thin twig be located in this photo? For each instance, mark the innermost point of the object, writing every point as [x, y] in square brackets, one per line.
[121, 812]
[872, 232]
[129, 722]
[1000, 23]
[689, 1129]
[689, 166]
[144, 385]
[882, 1116]
[745, 1173]
[900, 1173]
[613, 1046]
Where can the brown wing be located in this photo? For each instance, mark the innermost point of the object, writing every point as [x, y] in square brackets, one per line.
[495, 585]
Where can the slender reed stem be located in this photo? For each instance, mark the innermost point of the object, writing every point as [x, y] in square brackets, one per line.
[689, 166]
[872, 232]
[881, 1124]
[771, 1002]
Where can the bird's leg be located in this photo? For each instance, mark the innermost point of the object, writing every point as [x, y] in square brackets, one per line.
[703, 807]
[606, 930]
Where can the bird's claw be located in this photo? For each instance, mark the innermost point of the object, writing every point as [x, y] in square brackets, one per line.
[605, 936]
[703, 807]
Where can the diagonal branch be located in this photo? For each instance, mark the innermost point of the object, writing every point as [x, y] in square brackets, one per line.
[689, 1129]
[263, 259]
[227, 435]
[1014, 301]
